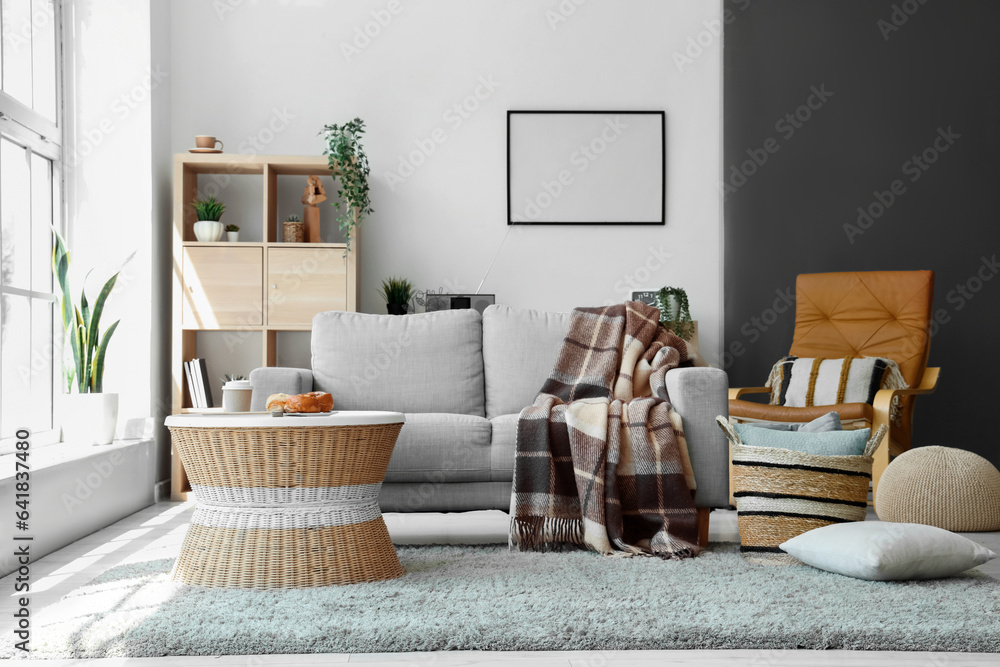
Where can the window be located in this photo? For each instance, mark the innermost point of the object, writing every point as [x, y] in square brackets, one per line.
[30, 205]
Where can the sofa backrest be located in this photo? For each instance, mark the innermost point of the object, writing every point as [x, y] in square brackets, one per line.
[427, 362]
[520, 347]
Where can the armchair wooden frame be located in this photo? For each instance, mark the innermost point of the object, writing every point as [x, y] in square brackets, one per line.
[887, 449]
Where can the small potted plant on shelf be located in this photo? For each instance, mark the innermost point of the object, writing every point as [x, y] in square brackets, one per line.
[90, 415]
[233, 233]
[293, 230]
[208, 228]
[674, 311]
[347, 159]
[397, 293]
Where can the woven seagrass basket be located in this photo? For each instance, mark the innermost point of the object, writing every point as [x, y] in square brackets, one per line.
[781, 493]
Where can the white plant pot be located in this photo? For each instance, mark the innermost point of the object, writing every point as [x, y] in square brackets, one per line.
[88, 419]
[208, 231]
[233, 237]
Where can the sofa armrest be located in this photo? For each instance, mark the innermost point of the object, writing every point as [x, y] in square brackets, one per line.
[699, 395]
[271, 380]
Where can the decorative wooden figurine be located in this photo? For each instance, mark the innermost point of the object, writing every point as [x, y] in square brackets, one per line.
[311, 196]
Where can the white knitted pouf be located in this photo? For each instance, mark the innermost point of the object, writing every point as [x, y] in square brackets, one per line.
[941, 486]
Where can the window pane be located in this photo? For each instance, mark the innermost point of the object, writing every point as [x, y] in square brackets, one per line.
[15, 214]
[40, 366]
[41, 224]
[17, 49]
[43, 49]
[15, 350]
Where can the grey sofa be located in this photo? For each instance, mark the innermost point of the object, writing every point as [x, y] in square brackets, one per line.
[461, 379]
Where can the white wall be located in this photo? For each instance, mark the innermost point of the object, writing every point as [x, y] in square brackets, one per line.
[240, 68]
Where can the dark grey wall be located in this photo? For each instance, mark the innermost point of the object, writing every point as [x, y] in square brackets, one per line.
[887, 94]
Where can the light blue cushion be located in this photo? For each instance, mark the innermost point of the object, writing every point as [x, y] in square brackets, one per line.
[827, 443]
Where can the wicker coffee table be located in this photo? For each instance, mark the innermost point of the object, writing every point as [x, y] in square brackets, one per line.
[286, 502]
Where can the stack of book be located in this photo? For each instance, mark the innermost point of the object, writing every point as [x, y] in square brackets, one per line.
[197, 381]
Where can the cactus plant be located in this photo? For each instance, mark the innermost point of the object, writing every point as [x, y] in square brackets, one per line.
[293, 218]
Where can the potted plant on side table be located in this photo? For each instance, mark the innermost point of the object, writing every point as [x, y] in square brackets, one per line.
[90, 415]
[208, 229]
[397, 293]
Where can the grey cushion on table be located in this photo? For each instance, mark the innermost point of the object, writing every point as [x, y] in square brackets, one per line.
[276, 380]
[441, 448]
[520, 347]
[428, 362]
[503, 450]
[699, 395]
[456, 497]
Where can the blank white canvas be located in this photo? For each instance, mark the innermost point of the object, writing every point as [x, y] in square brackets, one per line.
[586, 168]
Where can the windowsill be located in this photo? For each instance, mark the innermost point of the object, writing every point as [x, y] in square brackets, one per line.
[47, 456]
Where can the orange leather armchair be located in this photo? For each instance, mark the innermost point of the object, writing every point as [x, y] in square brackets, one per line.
[859, 314]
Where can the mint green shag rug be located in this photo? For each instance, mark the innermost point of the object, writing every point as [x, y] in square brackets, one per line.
[486, 598]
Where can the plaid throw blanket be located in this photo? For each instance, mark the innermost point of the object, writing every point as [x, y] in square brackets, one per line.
[601, 458]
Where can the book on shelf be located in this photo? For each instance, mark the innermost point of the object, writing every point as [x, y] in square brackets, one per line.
[192, 384]
[206, 387]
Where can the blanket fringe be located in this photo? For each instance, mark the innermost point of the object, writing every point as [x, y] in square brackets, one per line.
[774, 382]
[539, 533]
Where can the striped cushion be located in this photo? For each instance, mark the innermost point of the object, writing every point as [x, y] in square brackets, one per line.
[803, 382]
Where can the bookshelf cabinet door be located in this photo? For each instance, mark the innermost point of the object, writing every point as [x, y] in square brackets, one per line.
[223, 287]
[302, 282]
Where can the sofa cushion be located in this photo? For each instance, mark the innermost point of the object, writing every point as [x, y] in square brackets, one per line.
[429, 362]
[503, 450]
[520, 347]
[441, 448]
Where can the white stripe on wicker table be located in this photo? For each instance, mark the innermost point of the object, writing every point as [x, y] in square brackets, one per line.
[285, 518]
[831, 509]
[258, 495]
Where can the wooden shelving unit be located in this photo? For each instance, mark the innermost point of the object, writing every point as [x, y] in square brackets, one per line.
[267, 286]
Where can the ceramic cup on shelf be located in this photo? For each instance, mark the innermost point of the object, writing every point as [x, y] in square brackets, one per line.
[207, 141]
[236, 396]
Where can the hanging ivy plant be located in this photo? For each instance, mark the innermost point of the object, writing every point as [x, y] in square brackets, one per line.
[345, 153]
[674, 311]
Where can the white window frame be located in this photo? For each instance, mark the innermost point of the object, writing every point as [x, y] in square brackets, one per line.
[34, 132]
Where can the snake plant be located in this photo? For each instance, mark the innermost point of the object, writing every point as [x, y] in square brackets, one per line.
[82, 325]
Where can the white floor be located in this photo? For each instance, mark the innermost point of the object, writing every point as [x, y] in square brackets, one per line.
[157, 532]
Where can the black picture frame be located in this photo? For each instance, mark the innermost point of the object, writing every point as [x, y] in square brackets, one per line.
[660, 142]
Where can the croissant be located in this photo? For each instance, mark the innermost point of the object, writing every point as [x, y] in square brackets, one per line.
[314, 401]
